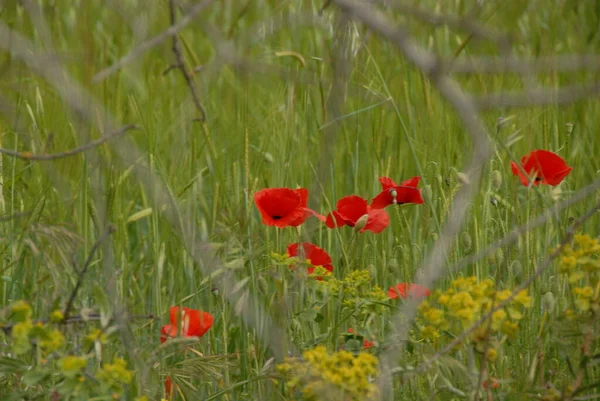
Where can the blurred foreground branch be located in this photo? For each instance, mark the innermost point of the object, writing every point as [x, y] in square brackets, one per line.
[180, 65]
[81, 149]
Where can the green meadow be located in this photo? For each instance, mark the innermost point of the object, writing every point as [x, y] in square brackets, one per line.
[98, 242]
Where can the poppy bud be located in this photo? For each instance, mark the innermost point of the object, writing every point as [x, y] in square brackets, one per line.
[394, 195]
[556, 194]
[393, 264]
[361, 222]
[516, 268]
[466, 240]
[463, 178]
[496, 180]
[570, 128]
[427, 191]
[215, 291]
[268, 157]
[499, 256]
[548, 301]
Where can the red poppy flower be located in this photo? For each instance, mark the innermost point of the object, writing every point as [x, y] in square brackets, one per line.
[542, 167]
[404, 290]
[394, 194]
[194, 323]
[283, 207]
[366, 343]
[351, 211]
[315, 255]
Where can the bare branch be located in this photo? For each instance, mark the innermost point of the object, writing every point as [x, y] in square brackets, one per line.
[428, 63]
[539, 97]
[155, 41]
[544, 266]
[81, 149]
[92, 317]
[81, 273]
[500, 65]
[454, 22]
[83, 103]
[541, 219]
[180, 65]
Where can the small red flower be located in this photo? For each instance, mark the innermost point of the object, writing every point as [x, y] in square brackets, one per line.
[392, 193]
[542, 167]
[366, 343]
[315, 255]
[353, 211]
[404, 290]
[490, 383]
[194, 323]
[168, 387]
[283, 207]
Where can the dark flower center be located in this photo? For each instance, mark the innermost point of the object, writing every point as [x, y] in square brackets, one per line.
[276, 217]
[538, 178]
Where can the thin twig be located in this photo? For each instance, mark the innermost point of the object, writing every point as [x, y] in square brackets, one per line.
[54, 156]
[539, 97]
[569, 236]
[428, 63]
[81, 273]
[94, 317]
[454, 22]
[180, 65]
[150, 43]
[502, 65]
[511, 237]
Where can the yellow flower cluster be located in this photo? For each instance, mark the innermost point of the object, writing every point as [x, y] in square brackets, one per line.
[115, 375]
[581, 259]
[25, 331]
[332, 377]
[356, 291]
[465, 302]
[580, 262]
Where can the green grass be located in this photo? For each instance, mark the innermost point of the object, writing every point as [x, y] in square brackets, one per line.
[267, 130]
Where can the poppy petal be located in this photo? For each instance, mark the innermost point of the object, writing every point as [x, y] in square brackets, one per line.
[404, 290]
[168, 387]
[408, 194]
[194, 323]
[541, 167]
[351, 208]
[166, 332]
[382, 200]
[197, 323]
[377, 222]
[316, 255]
[553, 167]
[517, 171]
[411, 182]
[303, 196]
[334, 219]
[386, 182]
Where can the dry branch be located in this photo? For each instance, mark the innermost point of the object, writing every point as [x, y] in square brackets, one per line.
[155, 41]
[539, 97]
[544, 266]
[428, 64]
[180, 65]
[81, 149]
[518, 65]
[81, 272]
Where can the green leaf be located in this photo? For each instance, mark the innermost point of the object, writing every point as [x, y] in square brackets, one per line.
[103, 303]
[11, 365]
[33, 377]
